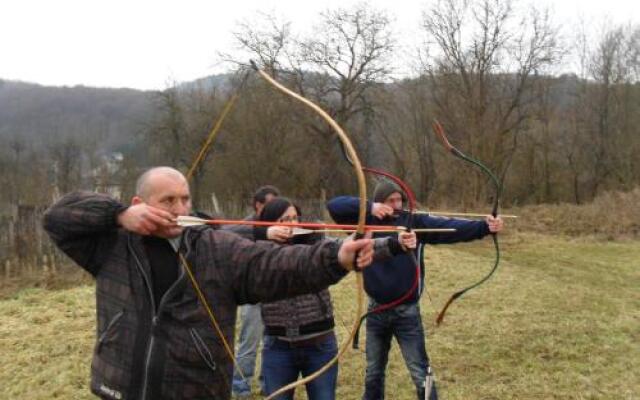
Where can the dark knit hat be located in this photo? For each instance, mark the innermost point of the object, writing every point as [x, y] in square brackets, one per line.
[384, 189]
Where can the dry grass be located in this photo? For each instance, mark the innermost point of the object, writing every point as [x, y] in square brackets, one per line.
[612, 215]
[45, 343]
[67, 277]
[559, 320]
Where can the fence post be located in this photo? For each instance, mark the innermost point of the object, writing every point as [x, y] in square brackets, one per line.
[7, 269]
[54, 262]
[323, 210]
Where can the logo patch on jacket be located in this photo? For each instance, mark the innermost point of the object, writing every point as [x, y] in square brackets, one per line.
[110, 392]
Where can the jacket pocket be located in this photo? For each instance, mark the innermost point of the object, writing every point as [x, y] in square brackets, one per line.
[202, 349]
[109, 331]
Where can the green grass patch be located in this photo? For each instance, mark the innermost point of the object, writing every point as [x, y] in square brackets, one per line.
[559, 320]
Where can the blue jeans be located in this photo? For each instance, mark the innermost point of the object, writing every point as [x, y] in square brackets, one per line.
[282, 364]
[251, 329]
[405, 324]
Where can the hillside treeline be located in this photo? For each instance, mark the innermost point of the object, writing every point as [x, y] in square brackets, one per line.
[487, 70]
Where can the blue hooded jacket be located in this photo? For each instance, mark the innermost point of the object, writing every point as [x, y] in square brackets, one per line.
[389, 280]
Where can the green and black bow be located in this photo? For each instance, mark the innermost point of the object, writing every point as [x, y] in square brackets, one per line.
[437, 128]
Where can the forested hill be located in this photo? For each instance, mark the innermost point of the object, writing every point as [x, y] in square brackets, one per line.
[43, 115]
[569, 138]
[111, 117]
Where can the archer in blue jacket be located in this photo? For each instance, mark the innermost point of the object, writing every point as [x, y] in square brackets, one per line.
[394, 286]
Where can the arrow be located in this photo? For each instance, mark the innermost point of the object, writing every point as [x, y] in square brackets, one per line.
[461, 214]
[302, 231]
[187, 221]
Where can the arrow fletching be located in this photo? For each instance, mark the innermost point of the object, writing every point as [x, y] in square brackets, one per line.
[186, 221]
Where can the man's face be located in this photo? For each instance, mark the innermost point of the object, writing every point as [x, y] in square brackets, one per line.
[169, 193]
[267, 198]
[394, 201]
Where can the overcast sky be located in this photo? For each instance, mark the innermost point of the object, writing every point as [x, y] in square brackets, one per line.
[144, 44]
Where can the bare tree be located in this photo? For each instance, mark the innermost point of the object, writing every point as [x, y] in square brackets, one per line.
[185, 114]
[166, 135]
[612, 68]
[17, 150]
[484, 60]
[336, 67]
[604, 137]
[405, 118]
[354, 49]
[267, 38]
[67, 161]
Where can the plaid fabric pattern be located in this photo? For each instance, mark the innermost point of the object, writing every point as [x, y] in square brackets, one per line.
[174, 353]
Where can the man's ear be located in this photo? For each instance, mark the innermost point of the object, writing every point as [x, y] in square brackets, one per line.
[136, 200]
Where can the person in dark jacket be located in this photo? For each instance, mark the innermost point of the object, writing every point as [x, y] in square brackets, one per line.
[154, 339]
[261, 196]
[251, 326]
[397, 278]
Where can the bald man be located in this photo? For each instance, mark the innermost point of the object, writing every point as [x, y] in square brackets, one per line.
[154, 339]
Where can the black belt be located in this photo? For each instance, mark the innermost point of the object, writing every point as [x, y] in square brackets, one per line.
[307, 329]
[307, 342]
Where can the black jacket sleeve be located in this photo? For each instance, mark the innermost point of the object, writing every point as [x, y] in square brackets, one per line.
[263, 271]
[466, 230]
[84, 226]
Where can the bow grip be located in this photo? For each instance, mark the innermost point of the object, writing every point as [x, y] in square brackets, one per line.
[357, 236]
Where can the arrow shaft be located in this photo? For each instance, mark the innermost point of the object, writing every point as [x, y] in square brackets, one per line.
[288, 224]
[393, 229]
[461, 214]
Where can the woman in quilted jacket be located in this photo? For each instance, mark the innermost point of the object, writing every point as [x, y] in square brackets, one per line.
[299, 337]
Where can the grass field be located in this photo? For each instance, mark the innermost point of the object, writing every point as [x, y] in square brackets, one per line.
[559, 320]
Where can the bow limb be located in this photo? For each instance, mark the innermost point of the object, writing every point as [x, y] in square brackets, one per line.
[413, 203]
[210, 314]
[362, 189]
[204, 149]
[437, 128]
[183, 260]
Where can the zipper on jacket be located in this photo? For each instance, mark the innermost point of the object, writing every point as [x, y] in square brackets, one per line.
[147, 361]
[154, 322]
[421, 285]
[155, 312]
